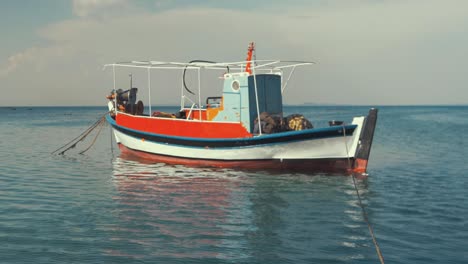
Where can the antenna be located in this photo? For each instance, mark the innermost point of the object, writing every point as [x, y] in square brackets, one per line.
[131, 80]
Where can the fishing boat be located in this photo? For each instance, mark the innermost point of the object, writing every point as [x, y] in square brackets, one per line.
[243, 126]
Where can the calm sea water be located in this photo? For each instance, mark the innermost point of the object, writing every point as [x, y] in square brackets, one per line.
[102, 208]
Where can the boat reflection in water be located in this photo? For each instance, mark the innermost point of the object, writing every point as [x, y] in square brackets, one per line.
[177, 213]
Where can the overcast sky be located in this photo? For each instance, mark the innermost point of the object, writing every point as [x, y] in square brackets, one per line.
[371, 52]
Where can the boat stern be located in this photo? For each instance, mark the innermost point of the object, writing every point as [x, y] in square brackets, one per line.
[365, 142]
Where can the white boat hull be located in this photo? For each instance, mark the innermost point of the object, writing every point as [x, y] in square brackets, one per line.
[331, 153]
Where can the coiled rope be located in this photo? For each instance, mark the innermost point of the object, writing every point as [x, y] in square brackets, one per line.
[364, 213]
[81, 137]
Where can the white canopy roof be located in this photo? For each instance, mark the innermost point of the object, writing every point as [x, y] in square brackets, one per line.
[270, 65]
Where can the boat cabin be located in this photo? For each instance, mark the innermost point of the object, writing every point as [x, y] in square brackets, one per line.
[239, 100]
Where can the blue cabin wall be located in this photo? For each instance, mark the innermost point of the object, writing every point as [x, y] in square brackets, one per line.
[234, 108]
[269, 94]
[240, 104]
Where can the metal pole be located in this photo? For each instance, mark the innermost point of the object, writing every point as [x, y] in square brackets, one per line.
[286, 83]
[131, 80]
[256, 99]
[199, 96]
[115, 92]
[149, 91]
[113, 71]
[182, 100]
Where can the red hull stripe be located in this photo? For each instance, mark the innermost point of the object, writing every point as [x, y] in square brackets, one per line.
[182, 127]
[278, 138]
[296, 165]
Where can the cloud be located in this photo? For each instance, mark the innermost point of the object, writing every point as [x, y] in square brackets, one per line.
[83, 8]
[17, 59]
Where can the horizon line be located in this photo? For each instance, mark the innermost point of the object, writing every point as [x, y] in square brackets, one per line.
[302, 104]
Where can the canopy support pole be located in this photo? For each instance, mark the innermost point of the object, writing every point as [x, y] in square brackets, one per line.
[114, 91]
[256, 100]
[287, 80]
[199, 96]
[149, 91]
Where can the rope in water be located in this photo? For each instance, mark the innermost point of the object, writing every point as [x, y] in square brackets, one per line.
[364, 213]
[94, 140]
[80, 137]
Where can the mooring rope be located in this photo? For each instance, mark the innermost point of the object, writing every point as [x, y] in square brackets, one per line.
[371, 230]
[364, 213]
[71, 144]
[95, 137]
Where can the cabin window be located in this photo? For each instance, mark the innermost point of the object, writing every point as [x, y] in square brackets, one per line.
[214, 102]
[235, 86]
